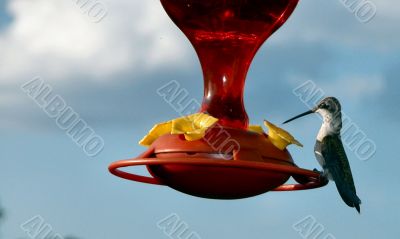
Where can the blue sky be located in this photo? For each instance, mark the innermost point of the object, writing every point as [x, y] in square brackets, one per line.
[109, 71]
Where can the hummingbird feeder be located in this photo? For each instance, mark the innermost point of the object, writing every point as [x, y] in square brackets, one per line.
[228, 161]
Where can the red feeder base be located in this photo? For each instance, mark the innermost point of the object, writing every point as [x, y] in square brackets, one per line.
[227, 164]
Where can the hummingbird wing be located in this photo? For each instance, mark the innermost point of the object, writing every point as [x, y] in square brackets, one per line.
[338, 166]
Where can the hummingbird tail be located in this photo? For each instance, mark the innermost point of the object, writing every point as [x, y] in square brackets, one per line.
[349, 196]
[357, 206]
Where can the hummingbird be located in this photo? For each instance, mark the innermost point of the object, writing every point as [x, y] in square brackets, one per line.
[330, 152]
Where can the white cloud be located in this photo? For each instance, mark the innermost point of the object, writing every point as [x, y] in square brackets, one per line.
[55, 38]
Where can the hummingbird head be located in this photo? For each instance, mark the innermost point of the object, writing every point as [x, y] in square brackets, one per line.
[329, 108]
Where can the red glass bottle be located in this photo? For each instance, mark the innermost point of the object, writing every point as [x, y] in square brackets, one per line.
[226, 35]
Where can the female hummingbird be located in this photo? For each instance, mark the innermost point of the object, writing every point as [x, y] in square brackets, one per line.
[330, 152]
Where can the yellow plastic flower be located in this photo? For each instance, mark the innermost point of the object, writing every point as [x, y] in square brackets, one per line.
[193, 127]
[157, 131]
[256, 128]
[279, 137]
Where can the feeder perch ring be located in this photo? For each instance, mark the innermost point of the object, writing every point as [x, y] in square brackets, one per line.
[314, 180]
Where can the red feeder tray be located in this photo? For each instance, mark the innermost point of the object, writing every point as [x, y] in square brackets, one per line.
[196, 168]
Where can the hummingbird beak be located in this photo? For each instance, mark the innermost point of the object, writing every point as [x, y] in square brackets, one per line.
[300, 115]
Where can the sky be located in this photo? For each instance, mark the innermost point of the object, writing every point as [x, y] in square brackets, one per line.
[107, 69]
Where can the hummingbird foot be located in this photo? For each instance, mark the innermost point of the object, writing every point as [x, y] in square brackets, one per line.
[323, 177]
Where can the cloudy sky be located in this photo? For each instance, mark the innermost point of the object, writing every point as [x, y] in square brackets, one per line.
[107, 68]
